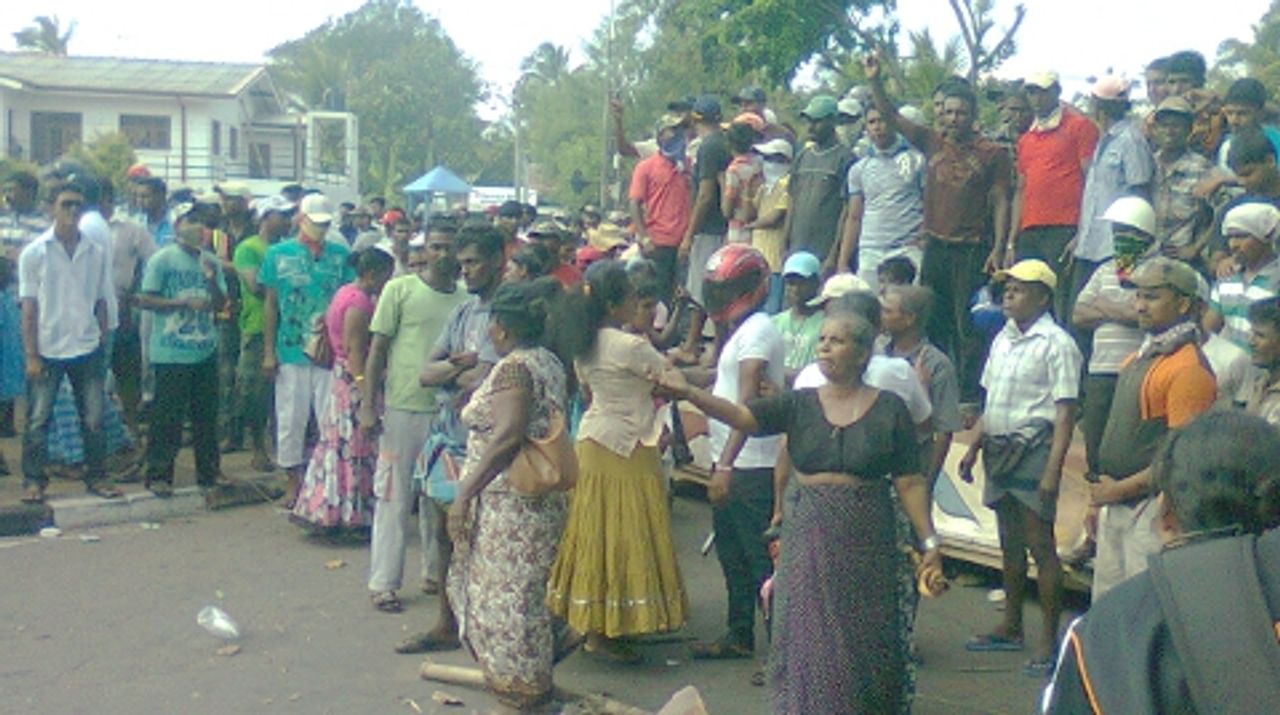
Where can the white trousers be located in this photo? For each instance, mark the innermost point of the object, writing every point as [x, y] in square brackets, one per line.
[403, 433]
[302, 391]
[1126, 537]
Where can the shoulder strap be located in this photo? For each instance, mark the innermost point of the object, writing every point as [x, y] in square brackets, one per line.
[1221, 627]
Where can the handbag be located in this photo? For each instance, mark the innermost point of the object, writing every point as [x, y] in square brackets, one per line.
[547, 465]
[317, 347]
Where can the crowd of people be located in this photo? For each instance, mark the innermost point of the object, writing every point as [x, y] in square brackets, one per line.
[840, 306]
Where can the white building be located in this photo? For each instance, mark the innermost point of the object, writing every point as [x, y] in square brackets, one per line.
[192, 123]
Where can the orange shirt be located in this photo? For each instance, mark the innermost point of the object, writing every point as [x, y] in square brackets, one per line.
[1178, 387]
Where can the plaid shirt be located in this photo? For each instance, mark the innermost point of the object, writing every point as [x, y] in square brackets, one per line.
[1180, 215]
[1027, 374]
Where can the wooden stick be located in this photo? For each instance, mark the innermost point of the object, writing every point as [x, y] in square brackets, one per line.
[474, 678]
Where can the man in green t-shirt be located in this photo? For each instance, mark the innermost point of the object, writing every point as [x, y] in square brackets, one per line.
[299, 277]
[801, 322]
[275, 214]
[412, 312]
[184, 286]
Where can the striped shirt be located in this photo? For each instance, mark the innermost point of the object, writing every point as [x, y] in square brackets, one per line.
[1112, 341]
[1028, 373]
[1231, 299]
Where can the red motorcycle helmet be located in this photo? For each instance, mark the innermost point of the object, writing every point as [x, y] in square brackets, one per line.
[736, 282]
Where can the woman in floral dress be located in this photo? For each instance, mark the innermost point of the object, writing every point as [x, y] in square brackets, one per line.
[505, 541]
[337, 491]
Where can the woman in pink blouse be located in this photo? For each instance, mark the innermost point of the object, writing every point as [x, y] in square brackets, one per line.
[337, 491]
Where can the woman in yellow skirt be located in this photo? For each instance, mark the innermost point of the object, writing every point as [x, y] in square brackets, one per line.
[615, 575]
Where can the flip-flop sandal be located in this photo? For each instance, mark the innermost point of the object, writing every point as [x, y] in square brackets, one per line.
[720, 650]
[619, 653]
[993, 643]
[387, 602]
[104, 491]
[163, 490]
[427, 643]
[1039, 667]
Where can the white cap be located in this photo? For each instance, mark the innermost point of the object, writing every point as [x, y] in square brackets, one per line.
[838, 285]
[235, 188]
[274, 202]
[775, 146]
[1043, 79]
[317, 208]
[849, 106]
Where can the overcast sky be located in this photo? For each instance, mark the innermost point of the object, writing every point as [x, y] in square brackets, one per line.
[1077, 38]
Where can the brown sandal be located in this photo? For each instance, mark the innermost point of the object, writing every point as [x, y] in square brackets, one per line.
[34, 494]
[387, 602]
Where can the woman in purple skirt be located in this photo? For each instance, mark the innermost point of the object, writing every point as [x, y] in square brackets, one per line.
[839, 644]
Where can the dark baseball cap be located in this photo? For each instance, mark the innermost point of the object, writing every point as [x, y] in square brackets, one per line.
[749, 94]
[707, 107]
[684, 104]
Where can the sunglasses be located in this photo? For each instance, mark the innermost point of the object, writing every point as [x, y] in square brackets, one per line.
[70, 205]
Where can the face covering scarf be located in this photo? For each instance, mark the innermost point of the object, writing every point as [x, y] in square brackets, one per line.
[1130, 249]
[674, 148]
[773, 171]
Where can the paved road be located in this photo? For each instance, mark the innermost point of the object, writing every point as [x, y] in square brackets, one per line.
[109, 627]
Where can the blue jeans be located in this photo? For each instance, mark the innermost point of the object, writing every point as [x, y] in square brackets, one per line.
[87, 374]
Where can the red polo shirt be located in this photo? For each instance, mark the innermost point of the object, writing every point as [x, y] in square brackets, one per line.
[1050, 164]
[663, 190]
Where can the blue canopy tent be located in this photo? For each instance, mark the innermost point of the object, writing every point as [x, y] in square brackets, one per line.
[437, 183]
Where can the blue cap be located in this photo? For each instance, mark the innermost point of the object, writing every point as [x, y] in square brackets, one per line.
[707, 107]
[803, 264]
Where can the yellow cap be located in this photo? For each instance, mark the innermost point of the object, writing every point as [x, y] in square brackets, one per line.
[1030, 271]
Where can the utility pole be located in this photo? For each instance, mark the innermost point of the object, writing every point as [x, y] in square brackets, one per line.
[515, 163]
[606, 159]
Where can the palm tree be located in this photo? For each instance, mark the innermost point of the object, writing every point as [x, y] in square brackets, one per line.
[45, 36]
[549, 64]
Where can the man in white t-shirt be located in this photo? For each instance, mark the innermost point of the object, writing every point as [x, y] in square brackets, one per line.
[741, 490]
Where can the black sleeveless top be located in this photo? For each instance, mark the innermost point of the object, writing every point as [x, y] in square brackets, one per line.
[880, 444]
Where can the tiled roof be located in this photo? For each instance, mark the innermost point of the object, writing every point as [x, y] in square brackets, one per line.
[118, 75]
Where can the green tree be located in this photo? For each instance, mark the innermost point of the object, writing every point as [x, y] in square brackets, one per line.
[45, 36]
[1260, 58]
[774, 38]
[414, 91]
[109, 155]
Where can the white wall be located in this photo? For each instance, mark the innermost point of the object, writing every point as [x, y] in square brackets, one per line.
[100, 114]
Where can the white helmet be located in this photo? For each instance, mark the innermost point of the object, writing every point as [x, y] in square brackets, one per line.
[1133, 211]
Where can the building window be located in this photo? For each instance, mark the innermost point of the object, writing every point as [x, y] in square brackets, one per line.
[215, 138]
[260, 161]
[233, 143]
[146, 131]
[52, 134]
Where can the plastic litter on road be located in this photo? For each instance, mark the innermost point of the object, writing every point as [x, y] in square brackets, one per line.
[217, 622]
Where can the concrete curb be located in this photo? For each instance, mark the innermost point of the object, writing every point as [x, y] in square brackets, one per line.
[80, 512]
[23, 519]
